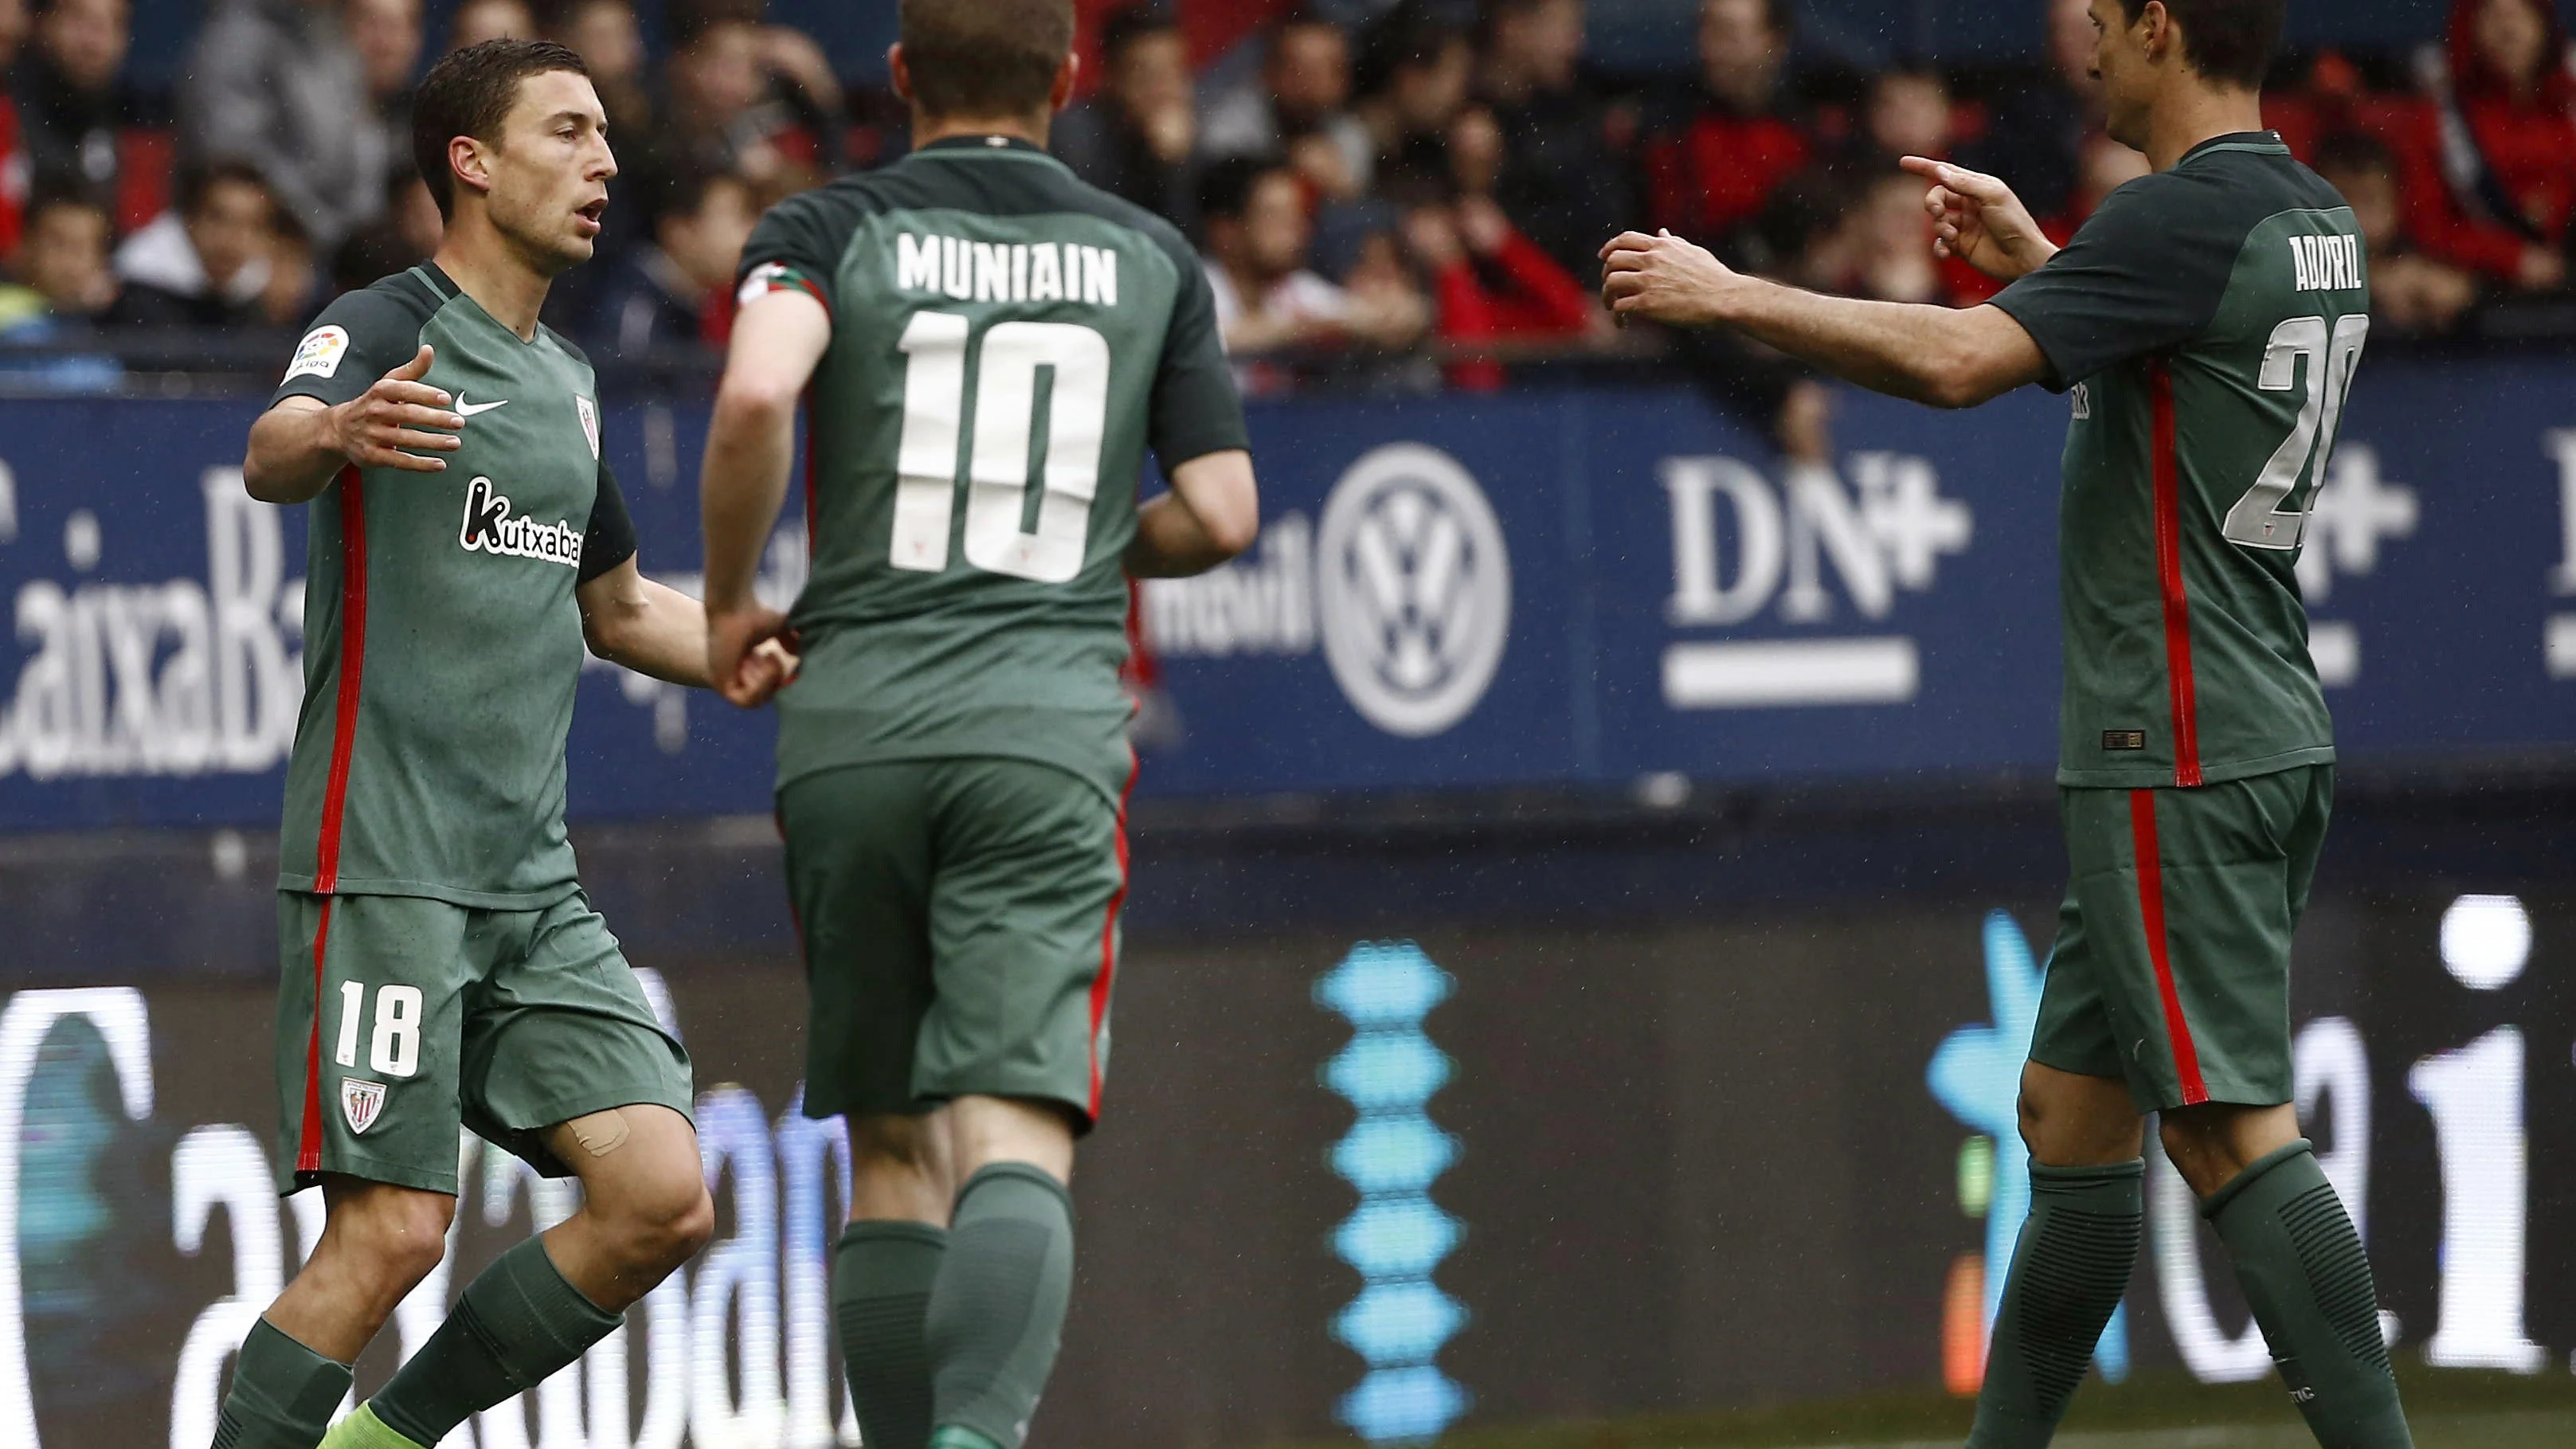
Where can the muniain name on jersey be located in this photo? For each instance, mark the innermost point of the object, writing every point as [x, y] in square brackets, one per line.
[974, 271]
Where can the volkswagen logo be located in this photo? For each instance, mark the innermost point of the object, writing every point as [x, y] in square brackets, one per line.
[1415, 589]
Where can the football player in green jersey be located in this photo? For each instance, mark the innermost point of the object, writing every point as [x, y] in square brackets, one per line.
[2207, 322]
[442, 966]
[990, 347]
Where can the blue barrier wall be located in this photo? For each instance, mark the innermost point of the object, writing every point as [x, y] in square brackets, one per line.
[1541, 589]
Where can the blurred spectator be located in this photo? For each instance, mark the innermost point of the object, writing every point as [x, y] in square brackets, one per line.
[1492, 284]
[757, 101]
[476, 21]
[2036, 142]
[677, 290]
[1299, 107]
[388, 36]
[2493, 190]
[1267, 298]
[1134, 137]
[276, 83]
[608, 38]
[1565, 170]
[1723, 148]
[294, 291]
[1886, 247]
[2408, 290]
[1412, 77]
[1910, 114]
[59, 273]
[405, 236]
[14, 166]
[205, 262]
[68, 101]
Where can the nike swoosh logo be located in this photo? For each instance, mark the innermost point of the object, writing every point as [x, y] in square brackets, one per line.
[467, 409]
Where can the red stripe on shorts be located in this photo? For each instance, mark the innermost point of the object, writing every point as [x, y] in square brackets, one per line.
[1109, 938]
[2151, 908]
[308, 1149]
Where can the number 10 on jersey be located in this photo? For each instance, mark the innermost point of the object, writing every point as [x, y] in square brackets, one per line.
[999, 469]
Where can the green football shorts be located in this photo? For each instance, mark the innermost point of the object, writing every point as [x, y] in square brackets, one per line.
[433, 1016]
[2172, 963]
[960, 922]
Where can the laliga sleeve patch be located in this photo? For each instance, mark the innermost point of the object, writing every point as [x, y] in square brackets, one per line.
[320, 353]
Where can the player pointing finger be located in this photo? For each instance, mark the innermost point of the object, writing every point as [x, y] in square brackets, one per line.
[1977, 219]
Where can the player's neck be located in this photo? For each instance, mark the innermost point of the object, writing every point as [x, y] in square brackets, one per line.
[2192, 114]
[927, 129]
[486, 268]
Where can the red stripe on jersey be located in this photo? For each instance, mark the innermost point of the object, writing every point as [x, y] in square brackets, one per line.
[2177, 599]
[1109, 939]
[308, 1147]
[2151, 910]
[353, 658]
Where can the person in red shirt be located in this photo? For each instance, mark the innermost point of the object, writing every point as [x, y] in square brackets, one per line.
[2490, 177]
[13, 158]
[1710, 170]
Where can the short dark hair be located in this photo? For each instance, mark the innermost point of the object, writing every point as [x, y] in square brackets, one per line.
[681, 190]
[985, 58]
[1413, 33]
[469, 93]
[197, 182]
[1126, 27]
[2231, 42]
[686, 22]
[1226, 187]
[2350, 151]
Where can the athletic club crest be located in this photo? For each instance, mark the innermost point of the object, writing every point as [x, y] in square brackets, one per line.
[362, 1103]
[589, 423]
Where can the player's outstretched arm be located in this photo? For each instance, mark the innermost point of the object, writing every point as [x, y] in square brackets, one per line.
[298, 446]
[778, 341]
[1212, 513]
[650, 628]
[1976, 218]
[1935, 355]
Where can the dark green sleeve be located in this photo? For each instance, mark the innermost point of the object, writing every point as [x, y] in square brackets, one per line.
[354, 343]
[610, 538]
[2144, 276]
[1196, 410]
[798, 245]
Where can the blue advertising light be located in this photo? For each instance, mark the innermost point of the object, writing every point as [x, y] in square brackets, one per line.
[1392, 1155]
[1976, 1073]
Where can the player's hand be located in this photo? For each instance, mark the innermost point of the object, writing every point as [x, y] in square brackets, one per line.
[751, 655]
[1663, 278]
[383, 427]
[1977, 219]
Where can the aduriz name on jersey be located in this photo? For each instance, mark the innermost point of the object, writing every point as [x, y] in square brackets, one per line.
[2327, 263]
[489, 528]
[973, 271]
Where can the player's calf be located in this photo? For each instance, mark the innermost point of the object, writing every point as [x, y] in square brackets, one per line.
[378, 1243]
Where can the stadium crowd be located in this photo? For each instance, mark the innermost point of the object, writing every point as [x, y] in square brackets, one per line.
[1397, 194]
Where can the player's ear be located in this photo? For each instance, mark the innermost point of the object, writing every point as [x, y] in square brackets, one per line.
[1065, 77]
[467, 166]
[900, 72]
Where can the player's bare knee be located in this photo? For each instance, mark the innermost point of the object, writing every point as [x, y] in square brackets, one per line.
[393, 1238]
[889, 1141]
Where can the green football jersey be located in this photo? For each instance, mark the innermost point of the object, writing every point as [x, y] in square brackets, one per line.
[442, 641]
[2208, 321]
[1006, 344]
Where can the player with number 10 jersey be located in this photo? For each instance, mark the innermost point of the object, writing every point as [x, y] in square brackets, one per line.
[986, 348]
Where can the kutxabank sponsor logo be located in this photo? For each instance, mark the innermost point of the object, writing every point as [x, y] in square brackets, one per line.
[1413, 589]
[491, 528]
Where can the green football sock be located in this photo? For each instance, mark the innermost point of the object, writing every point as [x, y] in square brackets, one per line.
[363, 1430]
[881, 1282]
[517, 1323]
[283, 1394]
[2308, 1280]
[2069, 1271]
[996, 1314]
